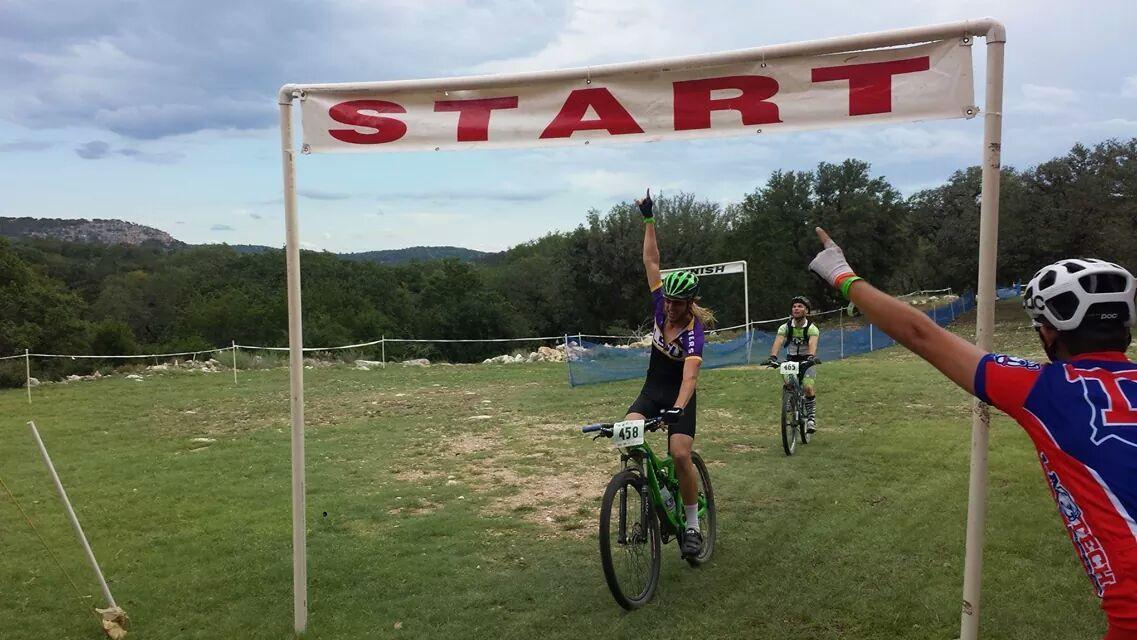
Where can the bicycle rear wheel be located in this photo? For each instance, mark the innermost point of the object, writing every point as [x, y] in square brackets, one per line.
[789, 421]
[629, 540]
[708, 521]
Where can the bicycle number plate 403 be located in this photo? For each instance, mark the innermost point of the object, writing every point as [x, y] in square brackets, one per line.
[628, 433]
[788, 368]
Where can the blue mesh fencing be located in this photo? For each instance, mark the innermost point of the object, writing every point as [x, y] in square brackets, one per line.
[592, 362]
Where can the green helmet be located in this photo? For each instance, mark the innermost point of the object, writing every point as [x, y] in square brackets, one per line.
[682, 285]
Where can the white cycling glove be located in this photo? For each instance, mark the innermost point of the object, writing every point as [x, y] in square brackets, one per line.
[831, 265]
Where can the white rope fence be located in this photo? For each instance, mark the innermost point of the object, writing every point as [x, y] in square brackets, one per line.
[382, 343]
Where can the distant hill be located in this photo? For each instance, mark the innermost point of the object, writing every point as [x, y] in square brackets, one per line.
[113, 232]
[253, 248]
[389, 256]
[420, 254]
[97, 231]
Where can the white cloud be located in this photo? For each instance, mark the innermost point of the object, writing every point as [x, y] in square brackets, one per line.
[319, 194]
[24, 145]
[1044, 99]
[603, 184]
[601, 31]
[432, 217]
[1129, 87]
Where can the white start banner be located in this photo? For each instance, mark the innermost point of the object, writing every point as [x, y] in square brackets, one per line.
[902, 84]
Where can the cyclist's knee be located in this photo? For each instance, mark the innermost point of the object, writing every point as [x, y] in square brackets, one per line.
[681, 451]
[682, 458]
[810, 391]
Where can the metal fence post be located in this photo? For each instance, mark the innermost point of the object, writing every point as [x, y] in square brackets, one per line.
[841, 330]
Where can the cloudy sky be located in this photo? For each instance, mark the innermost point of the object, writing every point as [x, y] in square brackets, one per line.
[163, 113]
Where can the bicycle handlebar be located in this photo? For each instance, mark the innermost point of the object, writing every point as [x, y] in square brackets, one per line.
[605, 428]
[805, 364]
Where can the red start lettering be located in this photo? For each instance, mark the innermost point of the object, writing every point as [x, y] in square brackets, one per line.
[693, 102]
[474, 115]
[1120, 411]
[870, 85]
[595, 108]
[353, 113]
[611, 115]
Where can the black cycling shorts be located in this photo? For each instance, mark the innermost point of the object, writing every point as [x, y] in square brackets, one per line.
[649, 403]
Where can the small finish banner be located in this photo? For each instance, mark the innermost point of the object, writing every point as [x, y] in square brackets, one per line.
[718, 269]
[903, 84]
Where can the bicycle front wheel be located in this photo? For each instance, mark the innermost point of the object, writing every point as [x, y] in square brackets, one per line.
[629, 540]
[789, 421]
[708, 521]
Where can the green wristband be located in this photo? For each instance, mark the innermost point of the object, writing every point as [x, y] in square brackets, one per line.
[847, 284]
[649, 220]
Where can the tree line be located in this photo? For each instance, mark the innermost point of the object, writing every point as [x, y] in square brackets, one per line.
[58, 297]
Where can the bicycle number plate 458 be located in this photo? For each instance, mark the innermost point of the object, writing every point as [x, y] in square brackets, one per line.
[628, 433]
[788, 368]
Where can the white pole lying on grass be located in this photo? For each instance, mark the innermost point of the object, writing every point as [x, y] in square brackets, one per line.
[71, 516]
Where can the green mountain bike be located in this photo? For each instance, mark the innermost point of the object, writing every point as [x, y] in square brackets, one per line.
[642, 510]
[793, 403]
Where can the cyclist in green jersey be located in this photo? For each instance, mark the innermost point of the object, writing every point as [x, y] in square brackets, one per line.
[800, 335]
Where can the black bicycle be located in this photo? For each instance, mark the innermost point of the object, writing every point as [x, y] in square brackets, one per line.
[793, 402]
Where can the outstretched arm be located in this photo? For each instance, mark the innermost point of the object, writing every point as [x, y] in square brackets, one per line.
[955, 357]
[651, 249]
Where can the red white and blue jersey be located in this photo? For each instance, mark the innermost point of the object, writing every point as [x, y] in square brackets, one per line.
[1082, 416]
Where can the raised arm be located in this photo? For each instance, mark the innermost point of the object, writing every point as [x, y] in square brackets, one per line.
[955, 357]
[651, 249]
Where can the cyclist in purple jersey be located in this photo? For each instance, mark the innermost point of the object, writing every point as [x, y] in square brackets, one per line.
[673, 371]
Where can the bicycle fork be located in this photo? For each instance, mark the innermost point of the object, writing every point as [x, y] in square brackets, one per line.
[645, 505]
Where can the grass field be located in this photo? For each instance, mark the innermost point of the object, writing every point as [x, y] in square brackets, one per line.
[461, 502]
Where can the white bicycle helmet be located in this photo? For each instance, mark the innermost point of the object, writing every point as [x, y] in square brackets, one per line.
[1069, 291]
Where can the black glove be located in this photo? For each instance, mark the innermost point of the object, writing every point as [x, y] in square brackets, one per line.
[646, 205]
[772, 361]
[672, 415]
[810, 358]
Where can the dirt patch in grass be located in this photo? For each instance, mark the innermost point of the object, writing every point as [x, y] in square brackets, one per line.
[419, 508]
[562, 501]
[418, 476]
[468, 443]
[535, 482]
